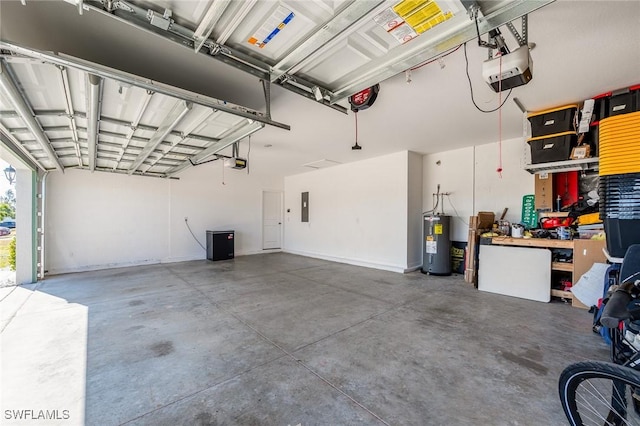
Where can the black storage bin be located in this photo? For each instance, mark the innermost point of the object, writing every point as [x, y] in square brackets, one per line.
[552, 148]
[620, 235]
[620, 196]
[618, 102]
[552, 121]
[599, 108]
[593, 139]
[220, 245]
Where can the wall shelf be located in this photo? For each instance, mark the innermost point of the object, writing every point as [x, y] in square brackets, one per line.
[563, 166]
[562, 266]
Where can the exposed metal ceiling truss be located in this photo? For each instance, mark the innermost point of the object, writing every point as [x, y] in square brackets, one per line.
[325, 51]
[96, 118]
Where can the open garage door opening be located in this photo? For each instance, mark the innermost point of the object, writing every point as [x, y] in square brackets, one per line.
[7, 225]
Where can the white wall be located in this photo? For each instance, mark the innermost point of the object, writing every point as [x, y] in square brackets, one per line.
[101, 220]
[453, 170]
[357, 213]
[492, 192]
[414, 223]
[469, 174]
[210, 205]
[366, 213]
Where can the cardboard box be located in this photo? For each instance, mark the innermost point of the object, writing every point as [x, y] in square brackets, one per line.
[544, 192]
[484, 220]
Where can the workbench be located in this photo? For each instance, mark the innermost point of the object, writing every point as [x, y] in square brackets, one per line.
[532, 267]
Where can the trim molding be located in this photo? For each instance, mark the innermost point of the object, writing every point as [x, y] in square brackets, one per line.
[356, 262]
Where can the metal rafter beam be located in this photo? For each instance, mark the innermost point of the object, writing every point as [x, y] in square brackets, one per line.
[169, 123]
[211, 17]
[136, 16]
[66, 89]
[37, 113]
[149, 128]
[154, 86]
[239, 15]
[14, 145]
[195, 126]
[20, 105]
[234, 135]
[94, 105]
[134, 125]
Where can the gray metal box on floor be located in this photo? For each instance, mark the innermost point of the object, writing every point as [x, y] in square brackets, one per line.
[220, 245]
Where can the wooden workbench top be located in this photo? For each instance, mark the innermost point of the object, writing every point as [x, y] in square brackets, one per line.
[532, 242]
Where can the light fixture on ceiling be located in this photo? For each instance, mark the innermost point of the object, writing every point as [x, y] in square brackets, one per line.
[10, 174]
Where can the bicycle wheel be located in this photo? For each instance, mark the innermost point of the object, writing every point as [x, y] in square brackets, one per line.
[600, 393]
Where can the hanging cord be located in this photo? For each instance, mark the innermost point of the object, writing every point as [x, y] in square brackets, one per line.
[356, 146]
[444, 55]
[456, 211]
[356, 116]
[466, 59]
[248, 155]
[186, 222]
[499, 169]
[223, 166]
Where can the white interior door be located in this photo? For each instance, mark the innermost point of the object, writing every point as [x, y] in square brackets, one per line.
[271, 220]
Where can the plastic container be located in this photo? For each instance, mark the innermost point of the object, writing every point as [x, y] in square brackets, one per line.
[620, 196]
[619, 150]
[620, 234]
[552, 121]
[623, 101]
[545, 149]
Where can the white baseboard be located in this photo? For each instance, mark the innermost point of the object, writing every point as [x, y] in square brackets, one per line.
[86, 268]
[413, 268]
[356, 262]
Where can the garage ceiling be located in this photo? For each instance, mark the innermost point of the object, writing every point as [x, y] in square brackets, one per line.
[571, 62]
[63, 112]
[325, 50]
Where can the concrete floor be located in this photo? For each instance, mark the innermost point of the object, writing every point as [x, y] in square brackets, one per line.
[284, 340]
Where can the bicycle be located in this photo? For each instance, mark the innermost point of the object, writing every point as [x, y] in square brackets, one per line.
[608, 393]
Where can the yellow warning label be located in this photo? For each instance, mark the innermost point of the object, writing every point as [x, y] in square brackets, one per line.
[437, 229]
[429, 238]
